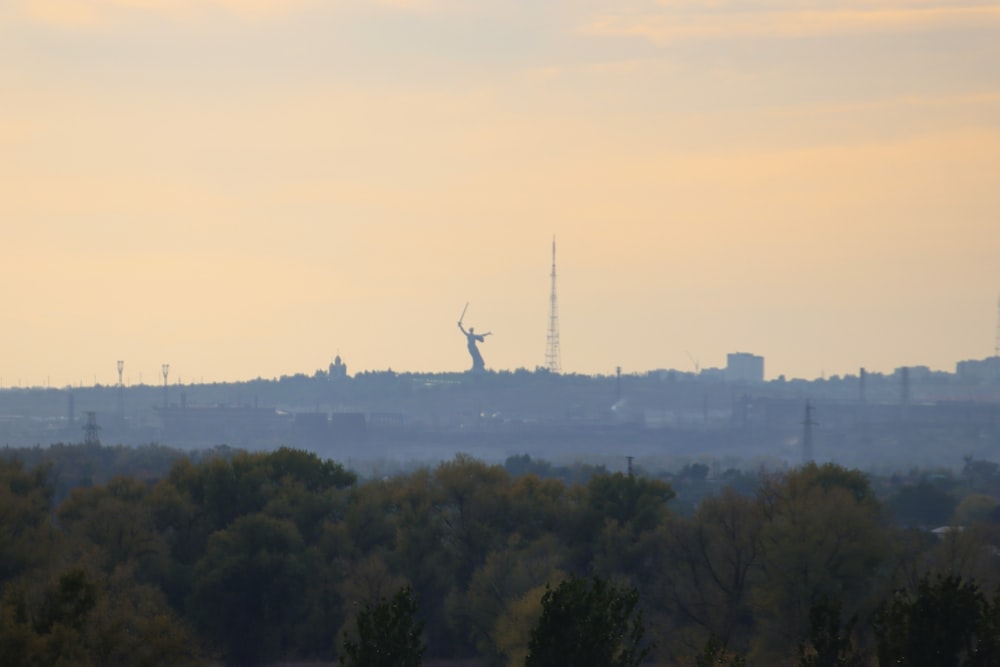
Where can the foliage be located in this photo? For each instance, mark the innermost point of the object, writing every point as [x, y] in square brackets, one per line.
[248, 557]
[823, 537]
[715, 558]
[25, 497]
[250, 587]
[715, 654]
[974, 508]
[388, 634]
[588, 622]
[830, 643]
[496, 589]
[636, 502]
[938, 625]
[923, 504]
[84, 621]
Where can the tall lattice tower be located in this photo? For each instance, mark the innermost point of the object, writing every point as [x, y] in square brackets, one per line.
[90, 430]
[552, 340]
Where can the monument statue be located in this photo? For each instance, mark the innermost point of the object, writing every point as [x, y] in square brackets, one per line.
[472, 338]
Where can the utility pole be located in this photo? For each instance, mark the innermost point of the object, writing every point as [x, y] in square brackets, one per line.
[807, 436]
[166, 371]
[121, 391]
[904, 392]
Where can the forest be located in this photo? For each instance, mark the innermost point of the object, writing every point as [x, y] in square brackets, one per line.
[149, 556]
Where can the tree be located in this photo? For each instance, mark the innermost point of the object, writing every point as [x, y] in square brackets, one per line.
[935, 626]
[639, 503]
[116, 519]
[974, 508]
[923, 504]
[250, 588]
[498, 586]
[823, 536]
[25, 528]
[616, 524]
[715, 654]
[388, 634]
[55, 632]
[588, 623]
[830, 643]
[473, 509]
[712, 559]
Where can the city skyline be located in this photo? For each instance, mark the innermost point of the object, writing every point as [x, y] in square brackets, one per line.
[246, 189]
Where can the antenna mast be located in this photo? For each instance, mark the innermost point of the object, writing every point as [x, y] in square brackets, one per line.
[552, 340]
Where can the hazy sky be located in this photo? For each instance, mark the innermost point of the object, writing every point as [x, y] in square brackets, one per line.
[245, 188]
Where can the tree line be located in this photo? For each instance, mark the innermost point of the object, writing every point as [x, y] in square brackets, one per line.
[248, 558]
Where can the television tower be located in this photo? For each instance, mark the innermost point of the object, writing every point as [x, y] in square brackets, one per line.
[552, 340]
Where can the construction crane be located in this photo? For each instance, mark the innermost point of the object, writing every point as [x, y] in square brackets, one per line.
[693, 361]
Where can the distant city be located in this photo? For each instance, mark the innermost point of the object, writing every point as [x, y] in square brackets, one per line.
[727, 416]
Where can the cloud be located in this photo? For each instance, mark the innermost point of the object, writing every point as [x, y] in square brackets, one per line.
[687, 20]
[108, 14]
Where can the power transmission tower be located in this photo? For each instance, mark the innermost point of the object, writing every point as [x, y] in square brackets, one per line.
[90, 430]
[166, 371]
[552, 340]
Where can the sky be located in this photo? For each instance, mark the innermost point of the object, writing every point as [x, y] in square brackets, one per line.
[245, 189]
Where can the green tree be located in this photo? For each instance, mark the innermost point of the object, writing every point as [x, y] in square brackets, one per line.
[715, 654]
[388, 634]
[423, 551]
[25, 502]
[830, 639]
[615, 530]
[639, 503]
[588, 623]
[53, 632]
[497, 586]
[974, 508]
[823, 536]
[922, 505]
[935, 626]
[474, 509]
[712, 560]
[116, 520]
[250, 588]
[81, 620]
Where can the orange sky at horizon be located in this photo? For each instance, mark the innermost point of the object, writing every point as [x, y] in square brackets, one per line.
[247, 189]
